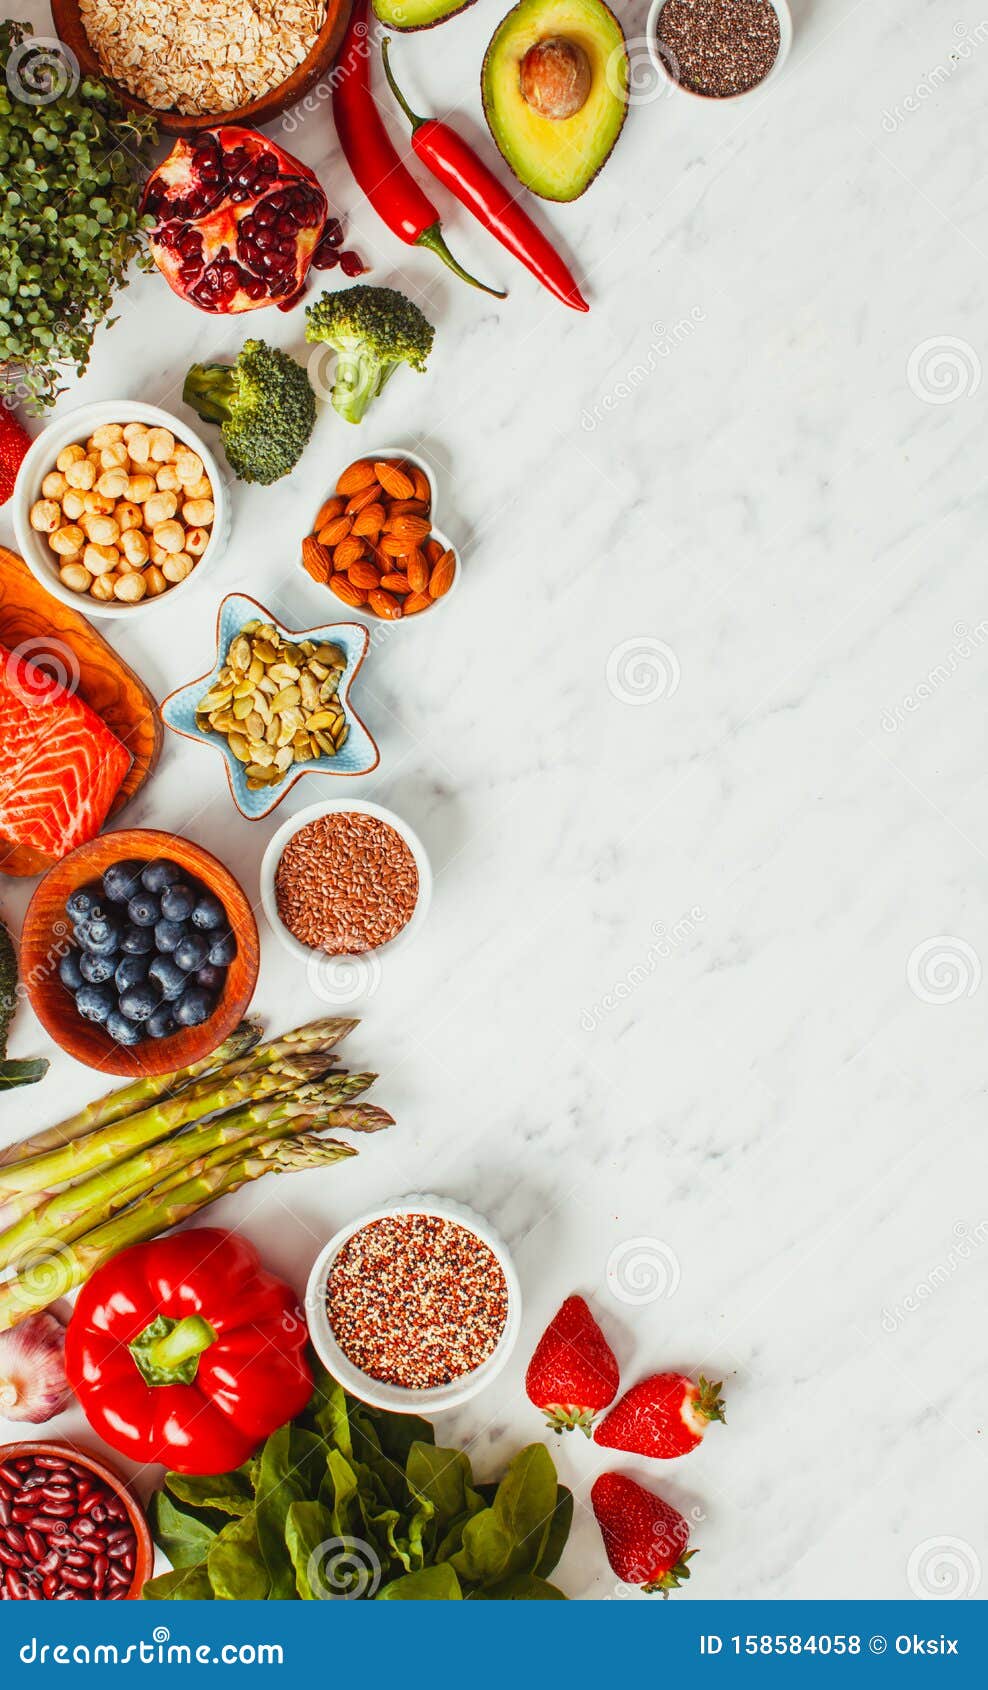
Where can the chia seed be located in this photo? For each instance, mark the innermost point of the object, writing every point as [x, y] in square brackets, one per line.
[718, 47]
[416, 1301]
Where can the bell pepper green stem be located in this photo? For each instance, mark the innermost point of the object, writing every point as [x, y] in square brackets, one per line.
[187, 1338]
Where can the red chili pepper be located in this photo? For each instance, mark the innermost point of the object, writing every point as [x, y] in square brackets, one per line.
[373, 158]
[185, 1351]
[475, 185]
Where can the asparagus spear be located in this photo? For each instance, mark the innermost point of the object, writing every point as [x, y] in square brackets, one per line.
[117, 1105]
[207, 1097]
[314, 1035]
[359, 1117]
[41, 1282]
[69, 1214]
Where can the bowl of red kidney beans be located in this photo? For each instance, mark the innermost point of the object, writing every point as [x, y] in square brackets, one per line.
[69, 1529]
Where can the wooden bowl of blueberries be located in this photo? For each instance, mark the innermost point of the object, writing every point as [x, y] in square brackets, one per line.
[139, 952]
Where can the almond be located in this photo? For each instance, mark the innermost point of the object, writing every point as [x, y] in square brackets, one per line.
[335, 531]
[316, 559]
[382, 604]
[394, 480]
[364, 575]
[395, 584]
[409, 527]
[369, 521]
[332, 507]
[404, 507]
[433, 550]
[355, 476]
[348, 551]
[416, 602]
[346, 591]
[367, 496]
[421, 483]
[392, 545]
[441, 578]
[418, 571]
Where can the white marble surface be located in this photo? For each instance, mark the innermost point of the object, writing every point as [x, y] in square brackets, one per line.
[664, 989]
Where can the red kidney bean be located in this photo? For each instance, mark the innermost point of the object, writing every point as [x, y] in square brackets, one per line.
[22, 1516]
[49, 1463]
[15, 1538]
[36, 1546]
[101, 1567]
[58, 1492]
[76, 1558]
[84, 1528]
[77, 1578]
[50, 1584]
[50, 1564]
[58, 1510]
[8, 1558]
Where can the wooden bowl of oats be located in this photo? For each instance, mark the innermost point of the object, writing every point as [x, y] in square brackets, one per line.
[248, 66]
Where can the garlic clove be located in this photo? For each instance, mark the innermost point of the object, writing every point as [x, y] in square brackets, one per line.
[33, 1386]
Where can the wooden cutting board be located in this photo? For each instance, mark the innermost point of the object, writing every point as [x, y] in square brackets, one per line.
[59, 639]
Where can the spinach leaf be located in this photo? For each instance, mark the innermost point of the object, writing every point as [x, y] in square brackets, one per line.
[432, 1584]
[558, 1533]
[444, 1478]
[521, 1587]
[236, 1570]
[230, 1493]
[511, 1535]
[184, 1539]
[290, 1462]
[185, 1584]
[308, 1526]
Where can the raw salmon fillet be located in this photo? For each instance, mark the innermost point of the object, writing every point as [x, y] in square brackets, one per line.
[60, 766]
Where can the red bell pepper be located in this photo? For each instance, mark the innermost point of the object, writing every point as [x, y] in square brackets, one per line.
[185, 1351]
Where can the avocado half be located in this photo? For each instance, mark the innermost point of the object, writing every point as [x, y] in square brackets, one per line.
[556, 157]
[417, 14]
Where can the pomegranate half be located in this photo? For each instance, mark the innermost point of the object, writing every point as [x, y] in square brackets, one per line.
[236, 220]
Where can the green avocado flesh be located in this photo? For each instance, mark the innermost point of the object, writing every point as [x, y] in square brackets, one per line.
[417, 14]
[556, 158]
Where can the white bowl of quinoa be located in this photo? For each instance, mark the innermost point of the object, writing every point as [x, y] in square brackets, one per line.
[415, 1307]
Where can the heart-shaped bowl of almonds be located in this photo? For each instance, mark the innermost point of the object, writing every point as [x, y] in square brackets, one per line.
[276, 704]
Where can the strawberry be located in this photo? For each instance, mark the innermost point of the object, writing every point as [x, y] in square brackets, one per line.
[663, 1416]
[13, 446]
[573, 1373]
[645, 1538]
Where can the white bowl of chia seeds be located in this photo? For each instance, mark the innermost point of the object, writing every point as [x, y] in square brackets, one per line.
[415, 1307]
[719, 50]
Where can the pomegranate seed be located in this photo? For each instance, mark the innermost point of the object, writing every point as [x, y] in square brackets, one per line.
[352, 264]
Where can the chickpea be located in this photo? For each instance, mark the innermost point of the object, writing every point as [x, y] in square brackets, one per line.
[46, 516]
[161, 444]
[135, 548]
[196, 541]
[154, 581]
[201, 489]
[167, 479]
[75, 577]
[139, 488]
[99, 560]
[115, 457]
[131, 429]
[54, 485]
[113, 483]
[102, 530]
[106, 435]
[128, 516]
[158, 555]
[69, 455]
[177, 567]
[199, 513]
[160, 507]
[130, 588]
[188, 465]
[81, 474]
[102, 587]
[139, 447]
[67, 541]
[170, 536]
[97, 504]
[73, 504]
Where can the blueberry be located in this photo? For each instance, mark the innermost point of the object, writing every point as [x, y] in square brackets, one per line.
[96, 968]
[137, 941]
[211, 977]
[209, 912]
[170, 980]
[223, 949]
[159, 874]
[80, 904]
[178, 901]
[144, 909]
[70, 972]
[162, 1022]
[192, 951]
[102, 934]
[138, 1002]
[194, 1007]
[96, 1003]
[168, 935]
[122, 1031]
[130, 971]
[122, 881]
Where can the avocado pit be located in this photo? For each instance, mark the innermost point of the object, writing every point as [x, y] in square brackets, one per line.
[555, 77]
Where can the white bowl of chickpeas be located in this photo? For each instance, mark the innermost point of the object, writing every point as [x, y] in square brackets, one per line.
[117, 506]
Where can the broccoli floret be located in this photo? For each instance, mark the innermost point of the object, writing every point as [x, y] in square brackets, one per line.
[264, 404]
[373, 330]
